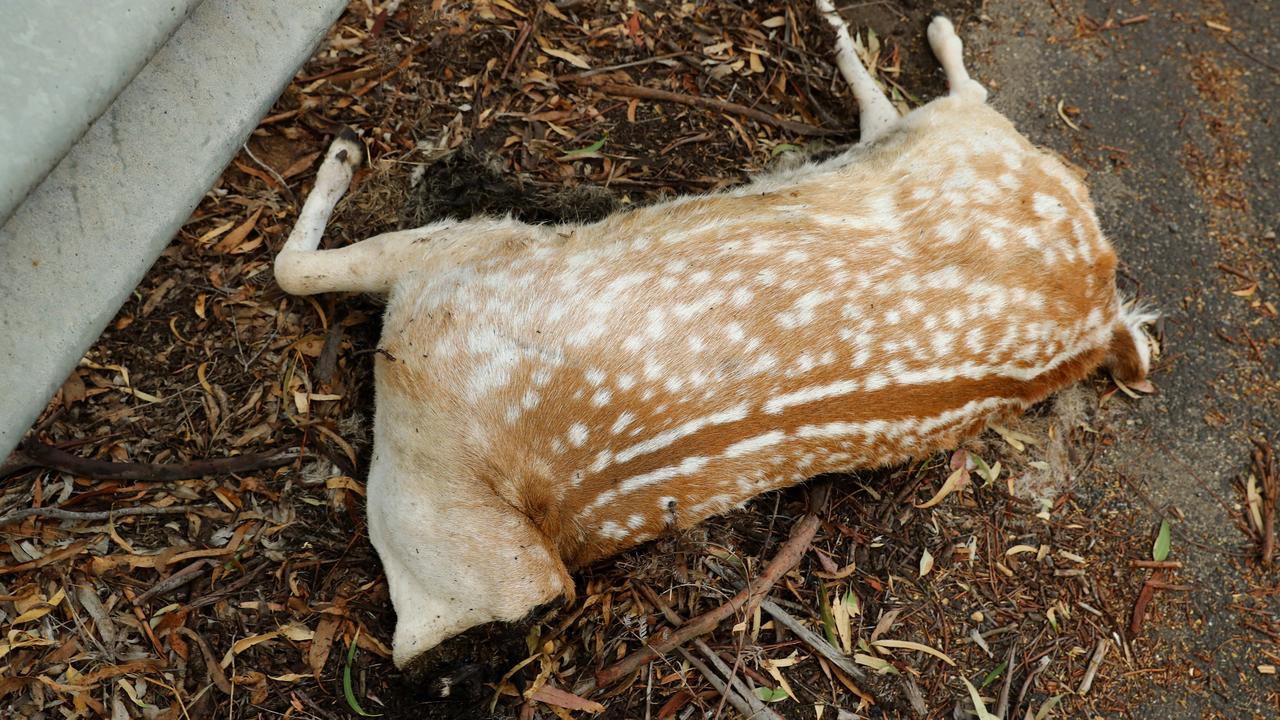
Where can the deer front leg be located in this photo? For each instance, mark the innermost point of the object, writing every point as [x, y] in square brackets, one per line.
[949, 50]
[876, 115]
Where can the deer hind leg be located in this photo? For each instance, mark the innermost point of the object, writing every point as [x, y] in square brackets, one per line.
[331, 184]
[876, 115]
[949, 50]
[301, 268]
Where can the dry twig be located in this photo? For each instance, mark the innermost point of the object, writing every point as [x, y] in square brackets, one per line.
[1264, 468]
[788, 557]
[724, 106]
[58, 514]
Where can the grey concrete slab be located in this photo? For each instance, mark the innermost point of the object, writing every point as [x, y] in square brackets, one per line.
[1177, 128]
[61, 63]
[75, 248]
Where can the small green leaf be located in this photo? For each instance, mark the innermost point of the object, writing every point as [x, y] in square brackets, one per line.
[346, 682]
[852, 603]
[985, 471]
[828, 620]
[783, 147]
[591, 150]
[771, 694]
[1160, 551]
[991, 676]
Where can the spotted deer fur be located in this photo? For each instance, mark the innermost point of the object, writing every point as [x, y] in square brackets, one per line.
[548, 395]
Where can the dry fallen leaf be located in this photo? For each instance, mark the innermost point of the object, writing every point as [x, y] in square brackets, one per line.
[234, 238]
[562, 698]
[574, 60]
[908, 645]
[954, 481]
[926, 563]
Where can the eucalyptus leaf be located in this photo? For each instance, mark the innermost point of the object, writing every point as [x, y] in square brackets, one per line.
[347, 690]
[591, 150]
[771, 694]
[1160, 551]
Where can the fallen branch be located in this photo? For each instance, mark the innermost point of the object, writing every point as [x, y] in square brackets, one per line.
[724, 106]
[810, 638]
[788, 557]
[1099, 652]
[743, 700]
[40, 455]
[752, 709]
[175, 581]
[59, 514]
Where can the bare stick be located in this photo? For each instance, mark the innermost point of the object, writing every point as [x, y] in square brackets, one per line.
[1159, 564]
[1095, 662]
[724, 106]
[58, 514]
[757, 708]
[174, 581]
[39, 455]
[1002, 704]
[734, 699]
[788, 557]
[914, 696]
[810, 638]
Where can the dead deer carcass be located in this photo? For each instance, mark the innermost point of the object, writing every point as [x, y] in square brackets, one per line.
[550, 395]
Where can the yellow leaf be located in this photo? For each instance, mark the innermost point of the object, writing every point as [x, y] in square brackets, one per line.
[342, 482]
[908, 645]
[214, 233]
[1018, 440]
[954, 481]
[246, 643]
[773, 668]
[234, 238]
[880, 665]
[34, 613]
[574, 60]
[509, 7]
[978, 706]
[129, 690]
[297, 632]
[926, 563]
[1017, 549]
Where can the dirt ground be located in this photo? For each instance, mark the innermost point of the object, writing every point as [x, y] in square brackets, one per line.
[239, 595]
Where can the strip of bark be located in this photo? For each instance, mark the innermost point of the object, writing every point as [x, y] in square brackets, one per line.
[1145, 596]
[40, 455]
